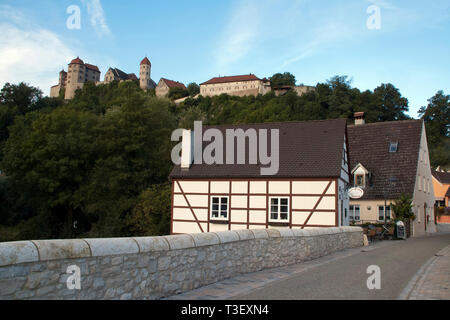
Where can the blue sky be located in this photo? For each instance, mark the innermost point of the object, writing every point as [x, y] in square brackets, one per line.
[193, 41]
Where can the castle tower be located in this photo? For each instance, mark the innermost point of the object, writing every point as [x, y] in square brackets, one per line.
[75, 77]
[145, 74]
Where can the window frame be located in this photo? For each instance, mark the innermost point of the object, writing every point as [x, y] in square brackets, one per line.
[384, 212]
[219, 218]
[352, 212]
[279, 220]
[393, 145]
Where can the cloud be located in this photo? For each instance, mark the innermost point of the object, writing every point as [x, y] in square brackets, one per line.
[29, 53]
[97, 16]
[239, 35]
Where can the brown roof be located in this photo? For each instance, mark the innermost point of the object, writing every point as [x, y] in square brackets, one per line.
[310, 149]
[442, 177]
[146, 61]
[392, 174]
[77, 61]
[248, 77]
[173, 84]
[92, 67]
[132, 76]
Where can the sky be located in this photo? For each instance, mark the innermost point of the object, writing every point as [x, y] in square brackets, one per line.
[403, 42]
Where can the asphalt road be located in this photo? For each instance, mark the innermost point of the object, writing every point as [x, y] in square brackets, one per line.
[347, 278]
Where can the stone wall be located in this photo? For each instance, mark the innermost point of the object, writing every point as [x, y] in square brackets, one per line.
[152, 268]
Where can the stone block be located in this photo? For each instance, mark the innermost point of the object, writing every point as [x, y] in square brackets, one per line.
[260, 233]
[62, 249]
[245, 234]
[149, 244]
[180, 242]
[17, 252]
[205, 239]
[113, 246]
[227, 236]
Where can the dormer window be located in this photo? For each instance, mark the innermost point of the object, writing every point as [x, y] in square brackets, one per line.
[361, 176]
[393, 147]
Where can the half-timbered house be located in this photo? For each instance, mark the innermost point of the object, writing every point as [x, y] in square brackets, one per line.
[308, 191]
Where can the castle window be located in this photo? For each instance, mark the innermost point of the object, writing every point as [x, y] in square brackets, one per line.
[279, 209]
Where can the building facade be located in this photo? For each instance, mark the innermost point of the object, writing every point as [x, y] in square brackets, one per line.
[78, 74]
[309, 190]
[164, 86]
[390, 159]
[235, 86]
[114, 74]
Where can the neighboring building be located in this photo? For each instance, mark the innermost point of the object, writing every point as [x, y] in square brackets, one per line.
[441, 186]
[56, 90]
[389, 159]
[79, 73]
[309, 190]
[164, 86]
[114, 74]
[244, 85]
[301, 90]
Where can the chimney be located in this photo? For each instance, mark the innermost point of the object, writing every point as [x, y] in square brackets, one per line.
[187, 149]
[359, 118]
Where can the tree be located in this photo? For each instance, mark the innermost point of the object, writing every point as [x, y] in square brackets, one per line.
[402, 208]
[22, 96]
[282, 79]
[436, 117]
[151, 216]
[177, 93]
[390, 103]
[193, 89]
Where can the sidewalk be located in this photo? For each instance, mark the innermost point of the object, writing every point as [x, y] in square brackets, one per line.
[433, 281]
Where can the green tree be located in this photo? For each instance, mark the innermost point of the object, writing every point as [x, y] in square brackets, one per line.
[177, 93]
[402, 208]
[151, 215]
[193, 89]
[390, 104]
[282, 79]
[436, 117]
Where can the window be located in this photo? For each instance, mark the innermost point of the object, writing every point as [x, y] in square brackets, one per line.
[393, 147]
[359, 180]
[279, 209]
[355, 213]
[384, 213]
[219, 208]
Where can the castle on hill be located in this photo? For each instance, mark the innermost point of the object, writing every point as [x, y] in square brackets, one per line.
[79, 73]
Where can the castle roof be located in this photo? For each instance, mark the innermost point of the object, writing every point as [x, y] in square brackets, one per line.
[173, 84]
[92, 67]
[146, 61]
[247, 77]
[77, 61]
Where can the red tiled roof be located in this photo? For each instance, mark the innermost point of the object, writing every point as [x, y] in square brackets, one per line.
[248, 77]
[173, 84]
[77, 61]
[146, 61]
[309, 149]
[92, 67]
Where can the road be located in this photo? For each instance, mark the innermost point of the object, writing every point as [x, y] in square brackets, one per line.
[346, 278]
